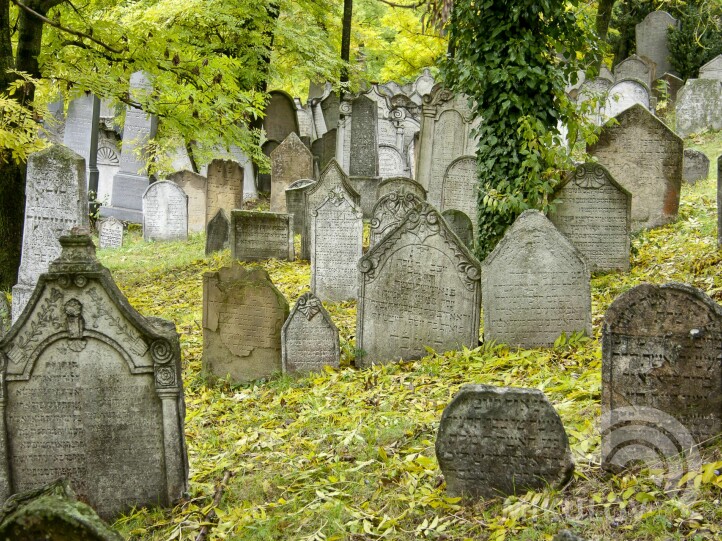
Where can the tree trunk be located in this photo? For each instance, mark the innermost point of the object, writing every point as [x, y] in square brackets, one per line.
[346, 39]
[604, 17]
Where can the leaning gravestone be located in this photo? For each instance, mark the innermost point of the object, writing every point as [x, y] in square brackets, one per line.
[194, 186]
[419, 287]
[461, 226]
[243, 313]
[224, 188]
[624, 95]
[55, 202]
[5, 314]
[94, 392]
[712, 69]
[501, 441]
[652, 39]
[389, 212]
[295, 195]
[165, 212]
[535, 285]
[460, 188]
[110, 233]
[256, 236]
[309, 339]
[661, 349]
[696, 166]
[645, 157]
[401, 185]
[218, 233]
[594, 212]
[290, 161]
[699, 106]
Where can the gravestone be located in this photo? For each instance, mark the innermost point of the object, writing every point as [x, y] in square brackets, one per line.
[224, 187]
[290, 161]
[54, 122]
[401, 185]
[389, 212]
[719, 201]
[699, 106]
[460, 188]
[218, 232]
[645, 157]
[280, 119]
[110, 233]
[194, 186]
[263, 180]
[165, 212]
[256, 236]
[55, 202]
[419, 287]
[243, 313]
[366, 187]
[5, 314]
[652, 41]
[309, 338]
[363, 158]
[329, 109]
[460, 224]
[671, 87]
[391, 162]
[661, 348]
[594, 212]
[535, 285]
[624, 95]
[295, 195]
[696, 166]
[594, 93]
[637, 69]
[501, 441]
[94, 391]
[324, 149]
[81, 128]
[108, 164]
[712, 69]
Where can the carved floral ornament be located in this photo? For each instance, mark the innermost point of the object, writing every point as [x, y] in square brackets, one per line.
[345, 108]
[309, 305]
[590, 175]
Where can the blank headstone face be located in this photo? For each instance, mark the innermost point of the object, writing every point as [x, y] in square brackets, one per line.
[243, 314]
[363, 159]
[460, 188]
[594, 212]
[256, 236]
[699, 106]
[218, 233]
[645, 157]
[389, 212]
[94, 392]
[635, 68]
[661, 348]
[712, 69]
[79, 126]
[499, 441]
[535, 286]
[419, 287]
[165, 212]
[290, 161]
[295, 203]
[280, 119]
[461, 225]
[391, 162]
[696, 166]
[624, 95]
[402, 185]
[110, 233]
[652, 42]
[194, 186]
[309, 337]
[224, 187]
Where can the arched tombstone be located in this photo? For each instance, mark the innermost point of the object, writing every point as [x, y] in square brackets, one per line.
[461, 225]
[635, 68]
[280, 119]
[389, 212]
[460, 188]
[401, 185]
[623, 95]
[652, 39]
[165, 212]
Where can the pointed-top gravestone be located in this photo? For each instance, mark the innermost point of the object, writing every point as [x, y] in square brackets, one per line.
[460, 188]
[165, 212]
[224, 187]
[535, 285]
[389, 212]
[93, 392]
[419, 288]
[309, 338]
[290, 161]
[712, 69]
[218, 233]
[652, 39]
[461, 225]
[110, 233]
[194, 186]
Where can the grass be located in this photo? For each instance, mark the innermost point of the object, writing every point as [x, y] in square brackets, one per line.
[349, 454]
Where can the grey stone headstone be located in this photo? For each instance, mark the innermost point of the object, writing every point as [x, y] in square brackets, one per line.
[623, 95]
[594, 212]
[363, 155]
[110, 233]
[324, 149]
[389, 212]
[712, 69]
[54, 122]
[194, 186]
[55, 201]
[661, 349]
[290, 161]
[366, 187]
[81, 127]
[94, 392]
[500, 441]
[645, 157]
[672, 85]
[295, 203]
[165, 212]
[535, 285]
[419, 287]
[391, 162]
[696, 166]
[280, 120]
[401, 185]
[5, 314]
[224, 187]
[460, 188]
[218, 232]
[329, 108]
[461, 225]
[596, 92]
[699, 106]
[651, 35]
[637, 69]
[309, 338]
[108, 164]
[256, 236]
[719, 201]
[243, 314]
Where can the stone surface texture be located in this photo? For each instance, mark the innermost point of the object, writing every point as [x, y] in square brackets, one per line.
[224, 187]
[699, 106]
[461, 225]
[295, 199]
[290, 161]
[460, 188]
[652, 42]
[110, 233]
[194, 186]
[389, 212]
[712, 69]
[401, 185]
[256, 236]
[696, 166]
[623, 95]
[218, 232]
[165, 212]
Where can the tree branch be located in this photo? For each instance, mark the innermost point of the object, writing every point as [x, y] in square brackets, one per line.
[409, 6]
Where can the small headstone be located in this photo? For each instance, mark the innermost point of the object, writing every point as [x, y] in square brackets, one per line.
[389, 212]
[535, 285]
[110, 233]
[5, 314]
[309, 338]
[290, 161]
[652, 39]
[94, 392]
[461, 225]
[661, 348]
[218, 233]
[699, 107]
[637, 69]
[501, 441]
[594, 212]
[280, 120]
[460, 188]
[624, 95]
[696, 166]
[419, 287]
[256, 236]
[712, 69]
[295, 203]
[165, 212]
[194, 186]
[224, 187]
[243, 314]
[401, 185]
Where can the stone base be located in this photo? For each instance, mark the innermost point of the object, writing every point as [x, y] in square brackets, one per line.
[124, 215]
[21, 296]
[126, 200]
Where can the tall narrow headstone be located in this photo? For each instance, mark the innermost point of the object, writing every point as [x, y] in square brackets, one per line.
[194, 186]
[256, 236]
[55, 201]
[389, 212]
[460, 224]
[218, 232]
[81, 128]
[224, 187]
[290, 161]
[94, 392]
[652, 39]
[358, 137]
[535, 285]
[280, 120]
[165, 212]
[419, 287]
[243, 314]
[460, 188]
[110, 233]
[295, 199]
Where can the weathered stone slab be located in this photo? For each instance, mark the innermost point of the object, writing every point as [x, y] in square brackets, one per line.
[500, 441]
[194, 186]
[55, 201]
[165, 212]
[535, 285]
[594, 93]
[363, 155]
[652, 42]
[391, 162]
[594, 212]
[461, 226]
[366, 187]
[224, 187]
[696, 166]
[699, 106]
[295, 199]
[218, 233]
[389, 212]
[290, 161]
[94, 392]
[419, 287]
[280, 120]
[329, 108]
[81, 128]
[256, 236]
[712, 69]
[635, 68]
[110, 233]
[5, 314]
[719, 201]
[460, 188]
[645, 157]
[243, 313]
[623, 95]
[309, 338]
[401, 185]
[661, 348]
